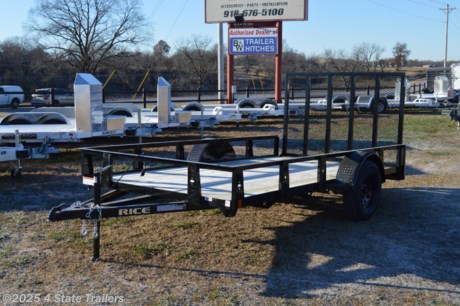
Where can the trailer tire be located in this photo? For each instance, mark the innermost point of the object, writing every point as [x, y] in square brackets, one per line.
[120, 112]
[15, 103]
[212, 152]
[51, 119]
[269, 103]
[15, 119]
[361, 201]
[155, 109]
[193, 107]
[382, 107]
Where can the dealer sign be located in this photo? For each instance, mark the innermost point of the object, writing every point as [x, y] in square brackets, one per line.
[243, 41]
[255, 10]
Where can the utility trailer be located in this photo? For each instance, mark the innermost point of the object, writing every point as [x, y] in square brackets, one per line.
[350, 154]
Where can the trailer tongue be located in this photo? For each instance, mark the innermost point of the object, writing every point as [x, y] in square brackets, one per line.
[343, 152]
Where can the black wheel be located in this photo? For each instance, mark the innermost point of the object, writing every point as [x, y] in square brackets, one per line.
[269, 103]
[120, 112]
[382, 107]
[16, 172]
[362, 200]
[55, 102]
[212, 152]
[192, 108]
[15, 119]
[246, 105]
[15, 103]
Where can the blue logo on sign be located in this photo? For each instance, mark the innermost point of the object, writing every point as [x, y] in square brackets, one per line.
[253, 45]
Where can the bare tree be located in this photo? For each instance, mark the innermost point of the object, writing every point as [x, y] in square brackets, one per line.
[88, 32]
[400, 54]
[28, 65]
[339, 61]
[368, 55]
[197, 57]
[160, 56]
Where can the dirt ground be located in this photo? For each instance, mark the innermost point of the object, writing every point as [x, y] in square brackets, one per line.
[305, 252]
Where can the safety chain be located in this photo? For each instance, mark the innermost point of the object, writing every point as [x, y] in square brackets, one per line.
[84, 226]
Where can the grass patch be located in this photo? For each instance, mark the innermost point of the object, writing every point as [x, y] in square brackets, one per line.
[19, 262]
[149, 250]
[426, 124]
[5, 252]
[187, 224]
[61, 236]
[189, 254]
[115, 221]
[206, 212]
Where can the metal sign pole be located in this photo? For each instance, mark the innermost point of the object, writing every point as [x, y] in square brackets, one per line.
[278, 63]
[230, 59]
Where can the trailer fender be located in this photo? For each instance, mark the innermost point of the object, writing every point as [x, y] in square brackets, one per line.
[52, 119]
[360, 176]
[119, 112]
[14, 119]
[193, 106]
[351, 165]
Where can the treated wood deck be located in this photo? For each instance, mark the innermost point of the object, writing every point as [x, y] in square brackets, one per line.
[217, 184]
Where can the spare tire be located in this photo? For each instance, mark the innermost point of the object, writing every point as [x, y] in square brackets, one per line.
[212, 152]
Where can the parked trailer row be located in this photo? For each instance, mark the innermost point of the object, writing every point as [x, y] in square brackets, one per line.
[350, 154]
[91, 118]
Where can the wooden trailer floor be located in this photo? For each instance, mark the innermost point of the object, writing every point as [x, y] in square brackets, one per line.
[218, 184]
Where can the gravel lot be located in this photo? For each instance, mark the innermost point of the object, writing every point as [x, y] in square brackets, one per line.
[303, 252]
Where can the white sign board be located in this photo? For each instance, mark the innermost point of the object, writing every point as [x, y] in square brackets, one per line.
[257, 41]
[255, 10]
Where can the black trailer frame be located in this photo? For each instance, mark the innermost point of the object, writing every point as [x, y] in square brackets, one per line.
[207, 173]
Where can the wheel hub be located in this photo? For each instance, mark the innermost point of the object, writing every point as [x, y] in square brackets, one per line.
[366, 195]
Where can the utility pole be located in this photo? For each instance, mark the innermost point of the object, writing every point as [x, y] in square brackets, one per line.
[447, 11]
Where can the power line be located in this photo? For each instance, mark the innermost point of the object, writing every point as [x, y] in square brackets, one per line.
[402, 12]
[453, 21]
[156, 8]
[422, 3]
[438, 2]
[177, 18]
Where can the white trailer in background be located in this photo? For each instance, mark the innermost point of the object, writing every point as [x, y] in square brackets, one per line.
[42, 129]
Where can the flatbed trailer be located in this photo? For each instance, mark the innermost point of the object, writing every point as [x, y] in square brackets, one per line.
[350, 154]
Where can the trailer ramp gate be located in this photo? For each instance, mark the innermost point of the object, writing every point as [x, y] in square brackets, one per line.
[348, 151]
